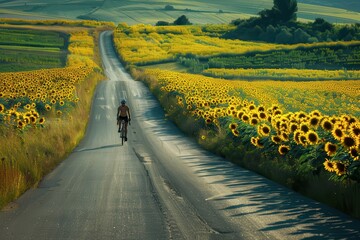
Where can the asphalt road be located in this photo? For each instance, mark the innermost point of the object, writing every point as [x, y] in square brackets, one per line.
[158, 185]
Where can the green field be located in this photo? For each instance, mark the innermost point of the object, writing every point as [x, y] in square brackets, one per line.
[149, 12]
[24, 50]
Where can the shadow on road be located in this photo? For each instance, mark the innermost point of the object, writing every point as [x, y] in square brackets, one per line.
[97, 148]
[266, 199]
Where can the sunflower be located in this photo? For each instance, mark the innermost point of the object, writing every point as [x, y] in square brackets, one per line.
[293, 126]
[264, 130]
[315, 113]
[297, 135]
[274, 107]
[354, 128]
[284, 136]
[303, 139]
[329, 166]
[301, 115]
[314, 121]
[354, 153]
[245, 118]
[269, 118]
[239, 114]
[208, 120]
[256, 142]
[59, 113]
[276, 139]
[42, 120]
[53, 101]
[262, 115]
[277, 112]
[233, 126]
[27, 107]
[35, 114]
[261, 108]
[283, 149]
[251, 107]
[304, 127]
[284, 125]
[340, 168]
[254, 121]
[253, 141]
[21, 124]
[327, 125]
[348, 141]
[32, 119]
[337, 132]
[312, 137]
[203, 137]
[47, 107]
[330, 148]
[2, 108]
[235, 132]
[26, 120]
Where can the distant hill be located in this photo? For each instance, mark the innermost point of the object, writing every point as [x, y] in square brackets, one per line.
[351, 5]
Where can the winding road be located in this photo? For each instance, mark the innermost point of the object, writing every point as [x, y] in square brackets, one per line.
[159, 184]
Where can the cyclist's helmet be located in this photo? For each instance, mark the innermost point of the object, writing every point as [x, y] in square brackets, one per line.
[123, 101]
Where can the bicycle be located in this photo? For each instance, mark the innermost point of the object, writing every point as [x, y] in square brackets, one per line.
[122, 130]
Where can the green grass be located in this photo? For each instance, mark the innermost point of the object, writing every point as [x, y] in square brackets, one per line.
[25, 50]
[21, 37]
[149, 12]
[174, 66]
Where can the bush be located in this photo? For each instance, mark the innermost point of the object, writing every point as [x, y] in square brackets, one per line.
[162, 23]
[182, 20]
[284, 36]
[300, 36]
[169, 7]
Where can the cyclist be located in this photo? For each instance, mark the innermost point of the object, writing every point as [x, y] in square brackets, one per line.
[123, 113]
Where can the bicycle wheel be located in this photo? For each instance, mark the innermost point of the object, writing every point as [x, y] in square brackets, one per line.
[122, 132]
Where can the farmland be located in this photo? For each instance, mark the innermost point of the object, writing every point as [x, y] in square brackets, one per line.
[302, 119]
[23, 50]
[139, 11]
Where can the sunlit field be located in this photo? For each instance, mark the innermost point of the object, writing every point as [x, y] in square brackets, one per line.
[42, 111]
[140, 11]
[287, 111]
[303, 122]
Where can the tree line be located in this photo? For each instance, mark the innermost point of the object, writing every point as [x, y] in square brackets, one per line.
[279, 25]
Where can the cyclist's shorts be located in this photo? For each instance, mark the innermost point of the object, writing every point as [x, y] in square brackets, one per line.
[123, 118]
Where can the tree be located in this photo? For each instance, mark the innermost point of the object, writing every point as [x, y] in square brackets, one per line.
[321, 25]
[182, 20]
[283, 11]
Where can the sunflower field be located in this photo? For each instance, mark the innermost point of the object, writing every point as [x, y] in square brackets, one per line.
[299, 127]
[272, 124]
[43, 112]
